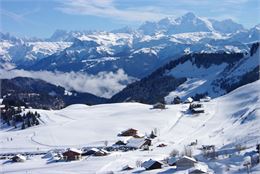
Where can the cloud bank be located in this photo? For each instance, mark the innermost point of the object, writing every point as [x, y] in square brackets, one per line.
[104, 84]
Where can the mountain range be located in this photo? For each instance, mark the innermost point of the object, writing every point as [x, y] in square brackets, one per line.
[194, 54]
[137, 51]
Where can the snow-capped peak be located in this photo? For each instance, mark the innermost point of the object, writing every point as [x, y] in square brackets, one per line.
[190, 22]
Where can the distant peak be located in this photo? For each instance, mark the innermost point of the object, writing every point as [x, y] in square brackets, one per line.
[167, 20]
[189, 15]
[257, 26]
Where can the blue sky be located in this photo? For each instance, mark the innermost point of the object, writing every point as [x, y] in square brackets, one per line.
[41, 18]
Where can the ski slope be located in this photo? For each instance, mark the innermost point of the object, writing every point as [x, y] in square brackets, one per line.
[228, 120]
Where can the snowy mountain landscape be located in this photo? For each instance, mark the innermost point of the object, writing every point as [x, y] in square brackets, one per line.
[175, 95]
[228, 121]
[138, 52]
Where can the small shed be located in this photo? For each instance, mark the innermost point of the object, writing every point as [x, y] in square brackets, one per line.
[184, 162]
[18, 158]
[159, 106]
[162, 145]
[205, 99]
[57, 157]
[127, 167]
[188, 100]
[196, 171]
[128, 132]
[176, 100]
[91, 151]
[72, 154]
[152, 164]
[197, 110]
[195, 105]
[101, 152]
[120, 143]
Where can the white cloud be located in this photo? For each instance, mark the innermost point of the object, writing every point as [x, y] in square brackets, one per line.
[16, 17]
[107, 8]
[104, 84]
[153, 11]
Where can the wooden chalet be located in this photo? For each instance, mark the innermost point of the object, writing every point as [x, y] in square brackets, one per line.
[128, 132]
[184, 162]
[152, 164]
[159, 106]
[72, 154]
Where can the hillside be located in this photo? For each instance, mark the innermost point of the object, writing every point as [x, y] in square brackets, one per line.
[228, 121]
[195, 75]
[23, 91]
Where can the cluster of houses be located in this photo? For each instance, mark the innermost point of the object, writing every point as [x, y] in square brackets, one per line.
[181, 163]
[195, 106]
[134, 140]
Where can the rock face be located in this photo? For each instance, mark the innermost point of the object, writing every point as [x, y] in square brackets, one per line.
[22, 91]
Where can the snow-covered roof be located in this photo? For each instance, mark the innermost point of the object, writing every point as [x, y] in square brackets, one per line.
[172, 160]
[189, 99]
[94, 149]
[149, 163]
[199, 167]
[189, 158]
[1, 100]
[2, 106]
[198, 109]
[126, 167]
[205, 99]
[75, 150]
[129, 130]
[20, 156]
[136, 142]
[103, 150]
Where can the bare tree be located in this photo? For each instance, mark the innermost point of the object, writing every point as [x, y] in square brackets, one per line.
[187, 151]
[174, 153]
[106, 143]
[138, 163]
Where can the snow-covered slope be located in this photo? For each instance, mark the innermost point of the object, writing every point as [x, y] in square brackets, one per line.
[228, 121]
[195, 75]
